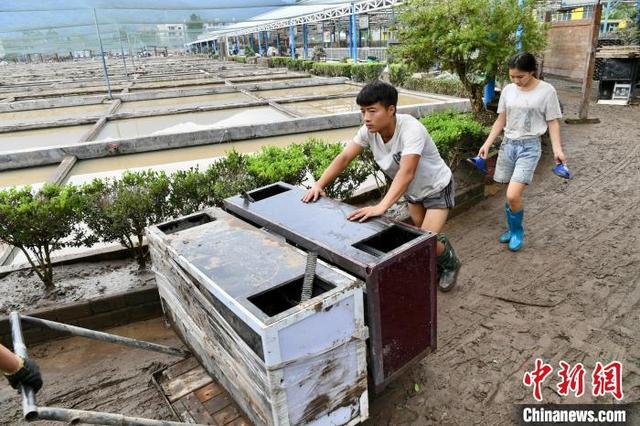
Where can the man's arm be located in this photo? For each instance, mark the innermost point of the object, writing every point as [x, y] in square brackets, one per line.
[337, 166]
[9, 362]
[399, 185]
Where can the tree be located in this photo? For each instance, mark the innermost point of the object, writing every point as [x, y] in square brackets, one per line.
[120, 210]
[473, 39]
[40, 222]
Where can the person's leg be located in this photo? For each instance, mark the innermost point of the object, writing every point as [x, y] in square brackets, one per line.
[526, 163]
[417, 212]
[434, 220]
[514, 195]
[505, 165]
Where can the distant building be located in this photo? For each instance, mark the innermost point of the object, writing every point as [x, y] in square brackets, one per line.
[171, 35]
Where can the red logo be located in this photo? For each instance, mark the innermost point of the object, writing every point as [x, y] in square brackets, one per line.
[572, 379]
[536, 377]
[607, 379]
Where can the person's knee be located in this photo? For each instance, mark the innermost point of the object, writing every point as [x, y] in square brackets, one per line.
[513, 197]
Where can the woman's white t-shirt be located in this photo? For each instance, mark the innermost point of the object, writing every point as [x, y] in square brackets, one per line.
[410, 137]
[528, 112]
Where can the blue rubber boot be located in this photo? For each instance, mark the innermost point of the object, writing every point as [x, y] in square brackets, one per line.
[506, 236]
[517, 230]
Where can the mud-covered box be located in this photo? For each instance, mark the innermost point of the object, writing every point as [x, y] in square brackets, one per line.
[233, 292]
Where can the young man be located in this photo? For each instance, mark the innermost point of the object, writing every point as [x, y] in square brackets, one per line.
[405, 152]
[19, 371]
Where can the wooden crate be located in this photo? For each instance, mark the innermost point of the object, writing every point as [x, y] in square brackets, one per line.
[230, 288]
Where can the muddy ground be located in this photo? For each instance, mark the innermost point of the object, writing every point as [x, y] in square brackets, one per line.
[572, 293]
[23, 291]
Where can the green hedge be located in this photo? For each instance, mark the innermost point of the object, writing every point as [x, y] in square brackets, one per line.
[332, 69]
[238, 58]
[445, 86]
[455, 134]
[366, 72]
[399, 74]
[119, 210]
[278, 61]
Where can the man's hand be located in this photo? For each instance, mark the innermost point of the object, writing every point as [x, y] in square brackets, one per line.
[313, 194]
[27, 375]
[559, 157]
[366, 212]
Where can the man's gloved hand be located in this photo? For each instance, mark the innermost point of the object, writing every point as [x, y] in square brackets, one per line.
[28, 375]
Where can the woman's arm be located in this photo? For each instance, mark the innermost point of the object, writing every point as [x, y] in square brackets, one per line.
[496, 129]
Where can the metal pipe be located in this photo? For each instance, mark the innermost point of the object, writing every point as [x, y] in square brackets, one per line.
[126, 73]
[104, 63]
[105, 337]
[29, 408]
[97, 418]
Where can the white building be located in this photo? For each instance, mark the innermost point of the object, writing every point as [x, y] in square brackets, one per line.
[171, 35]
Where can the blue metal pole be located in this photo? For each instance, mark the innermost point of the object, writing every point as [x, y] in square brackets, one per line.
[305, 41]
[519, 31]
[353, 33]
[292, 41]
[278, 41]
[638, 12]
[607, 11]
[260, 43]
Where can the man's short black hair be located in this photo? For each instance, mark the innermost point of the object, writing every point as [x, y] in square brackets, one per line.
[377, 91]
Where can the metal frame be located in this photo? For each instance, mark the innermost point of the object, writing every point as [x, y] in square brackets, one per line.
[32, 412]
[341, 11]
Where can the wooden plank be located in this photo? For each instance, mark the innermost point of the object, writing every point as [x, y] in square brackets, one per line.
[206, 393]
[197, 410]
[240, 421]
[180, 368]
[217, 403]
[227, 414]
[188, 382]
[183, 412]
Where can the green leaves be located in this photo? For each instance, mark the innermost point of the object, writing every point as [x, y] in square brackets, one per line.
[473, 39]
[399, 74]
[332, 69]
[455, 134]
[272, 164]
[366, 72]
[40, 222]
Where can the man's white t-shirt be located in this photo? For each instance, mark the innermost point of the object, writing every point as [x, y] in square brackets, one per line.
[528, 112]
[410, 137]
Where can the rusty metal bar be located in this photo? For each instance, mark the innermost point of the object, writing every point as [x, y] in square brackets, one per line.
[32, 412]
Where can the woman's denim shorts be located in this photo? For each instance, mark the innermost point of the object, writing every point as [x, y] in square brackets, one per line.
[517, 160]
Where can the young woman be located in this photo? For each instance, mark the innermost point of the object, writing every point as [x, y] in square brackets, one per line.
[527, 108]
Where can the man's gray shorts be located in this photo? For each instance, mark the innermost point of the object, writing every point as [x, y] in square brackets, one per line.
[445, 199]
[517, 160]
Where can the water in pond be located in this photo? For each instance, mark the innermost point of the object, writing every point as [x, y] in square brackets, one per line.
[334, 106]
[28, 139]
[294, 92]
[52, 114]
[188, 122]
[183, 102]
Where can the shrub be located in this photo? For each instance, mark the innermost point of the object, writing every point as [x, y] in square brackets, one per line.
[120, 209]
[191, 190]
[229, 176]
[273, 164]
[278, 61]
[399, 73]
[332, 69]
[321, 153]
[455, 134]
[443, 86]
[366, 72]
[41, 222]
